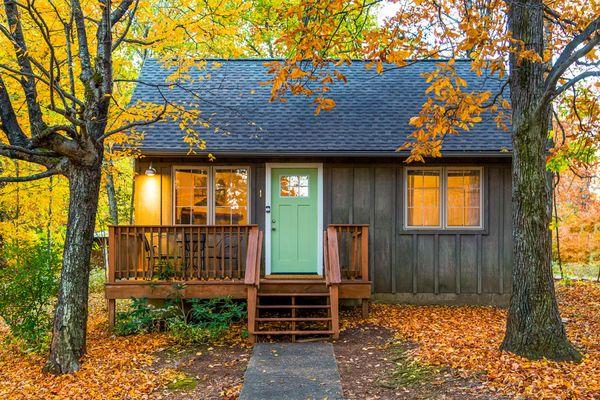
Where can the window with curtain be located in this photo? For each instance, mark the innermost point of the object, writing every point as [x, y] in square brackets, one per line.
[191, 196]
[443, 198]
[423, 198]
[231, 196]
[463, 203]
[211, 195]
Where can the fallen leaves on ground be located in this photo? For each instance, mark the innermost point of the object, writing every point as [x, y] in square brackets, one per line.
[468, 338]
[114, 367]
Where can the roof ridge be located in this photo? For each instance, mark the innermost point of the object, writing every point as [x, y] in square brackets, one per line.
[262, 59]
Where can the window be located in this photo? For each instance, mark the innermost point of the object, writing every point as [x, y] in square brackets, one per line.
[443, 198]
[293, 186]
[191, 196]
[211, 195]
[463, 206]
[423, 203]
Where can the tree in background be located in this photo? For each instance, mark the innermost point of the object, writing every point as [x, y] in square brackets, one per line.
[541, 51]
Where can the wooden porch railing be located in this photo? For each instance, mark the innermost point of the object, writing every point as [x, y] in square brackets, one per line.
[252, 277]
[179, 252]
[332, 276]
[353, 250]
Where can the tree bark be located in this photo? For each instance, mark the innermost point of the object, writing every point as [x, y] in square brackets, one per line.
[69, 332]
[112, 196]
[534, 327]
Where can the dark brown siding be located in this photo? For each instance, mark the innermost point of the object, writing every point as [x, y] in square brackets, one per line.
[413, 266]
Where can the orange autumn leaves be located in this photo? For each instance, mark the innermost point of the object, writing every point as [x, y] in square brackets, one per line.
[468, 338]
[114, 367]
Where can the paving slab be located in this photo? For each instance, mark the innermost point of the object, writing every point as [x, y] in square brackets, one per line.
[292, 371]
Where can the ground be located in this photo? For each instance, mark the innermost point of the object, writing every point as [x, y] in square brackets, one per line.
[399, 352]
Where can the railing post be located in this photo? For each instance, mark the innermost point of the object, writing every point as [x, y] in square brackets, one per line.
[112, 254]
[111, 304]
[364, 253]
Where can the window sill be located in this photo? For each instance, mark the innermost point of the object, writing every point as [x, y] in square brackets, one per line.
[444, 231]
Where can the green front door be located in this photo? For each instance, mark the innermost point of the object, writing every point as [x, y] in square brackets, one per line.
[294, 220]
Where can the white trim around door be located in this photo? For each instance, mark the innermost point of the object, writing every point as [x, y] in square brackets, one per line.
[269, 167]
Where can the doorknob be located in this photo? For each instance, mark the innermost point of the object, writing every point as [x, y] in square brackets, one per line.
[273, 221]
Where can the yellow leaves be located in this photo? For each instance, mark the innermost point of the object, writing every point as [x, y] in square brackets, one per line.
[323, 104]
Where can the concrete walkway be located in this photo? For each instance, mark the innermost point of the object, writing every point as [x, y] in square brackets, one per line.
[290, 371]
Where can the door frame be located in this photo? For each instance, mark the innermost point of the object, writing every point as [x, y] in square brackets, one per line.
[268, 180]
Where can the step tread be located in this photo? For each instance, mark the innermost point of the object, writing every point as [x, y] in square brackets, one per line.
[296, 319]
[324, 332]
[316, 294]
[297, 306]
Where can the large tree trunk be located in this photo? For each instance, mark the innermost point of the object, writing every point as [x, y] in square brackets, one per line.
[534, 327]
[69, 333]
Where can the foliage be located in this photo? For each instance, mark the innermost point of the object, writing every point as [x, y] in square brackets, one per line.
[578, 208]
[144, 318]
[196, 321]
[468, 338]
[97, 280]
[28, 287]
[116, 367]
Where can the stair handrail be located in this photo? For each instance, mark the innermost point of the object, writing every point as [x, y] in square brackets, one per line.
[253, 256]
[332, 264]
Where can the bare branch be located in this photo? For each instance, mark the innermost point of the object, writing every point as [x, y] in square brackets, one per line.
[10, 124]
[131, 125]
[120, 11]
[571, 53]
[573, 81]
[127, 27]
[59, 168]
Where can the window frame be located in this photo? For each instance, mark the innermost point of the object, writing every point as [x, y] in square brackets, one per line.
[443, 201]
[211, 169]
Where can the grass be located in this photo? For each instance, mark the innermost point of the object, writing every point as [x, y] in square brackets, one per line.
[182, 382]
[97, 280]
[577, 270]
[407, 371]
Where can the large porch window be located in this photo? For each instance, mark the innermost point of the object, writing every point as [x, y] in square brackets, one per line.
[211, 195]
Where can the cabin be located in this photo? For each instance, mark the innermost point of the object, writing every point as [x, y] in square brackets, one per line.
[297, 212]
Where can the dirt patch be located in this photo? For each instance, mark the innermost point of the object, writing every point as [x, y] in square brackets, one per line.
[202, 373]
[374, 366]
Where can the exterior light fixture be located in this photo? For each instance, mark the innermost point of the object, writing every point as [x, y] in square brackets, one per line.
[151, 171]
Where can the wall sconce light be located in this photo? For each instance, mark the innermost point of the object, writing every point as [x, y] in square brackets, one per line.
[151, 171]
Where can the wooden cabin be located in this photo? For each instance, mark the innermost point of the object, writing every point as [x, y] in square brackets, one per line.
[297, 211]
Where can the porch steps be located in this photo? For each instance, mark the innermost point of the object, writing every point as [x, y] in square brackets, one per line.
[295, 309]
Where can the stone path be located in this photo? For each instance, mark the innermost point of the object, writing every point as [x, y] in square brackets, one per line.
[290, 371]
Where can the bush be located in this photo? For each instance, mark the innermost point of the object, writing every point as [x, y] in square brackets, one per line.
[28, 287]
[194, 321]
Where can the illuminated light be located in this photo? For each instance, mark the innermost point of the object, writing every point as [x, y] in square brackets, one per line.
[150, 171]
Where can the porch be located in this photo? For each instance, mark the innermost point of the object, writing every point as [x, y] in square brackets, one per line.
[206, 261]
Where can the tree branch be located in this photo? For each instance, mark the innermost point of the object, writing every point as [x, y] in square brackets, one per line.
[59, 168]
[120, 11]
[28, 83]
[573, 81]
[571, 53]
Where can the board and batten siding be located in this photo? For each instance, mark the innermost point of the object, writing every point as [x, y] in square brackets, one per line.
[425, 266]
[414, 266]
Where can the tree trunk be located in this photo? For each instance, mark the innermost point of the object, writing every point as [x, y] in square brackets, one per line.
[534, 327]
[69, 333]
[112, 197]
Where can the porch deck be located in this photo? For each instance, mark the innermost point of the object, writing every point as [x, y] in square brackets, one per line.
[206, 261]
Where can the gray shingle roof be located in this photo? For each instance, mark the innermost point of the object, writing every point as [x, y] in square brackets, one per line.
[371, 115]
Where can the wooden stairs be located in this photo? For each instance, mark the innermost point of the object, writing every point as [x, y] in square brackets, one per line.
[296, 308]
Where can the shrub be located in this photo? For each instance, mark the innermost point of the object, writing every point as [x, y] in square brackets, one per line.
[142, 317]
[194, 321]
[28, 287]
